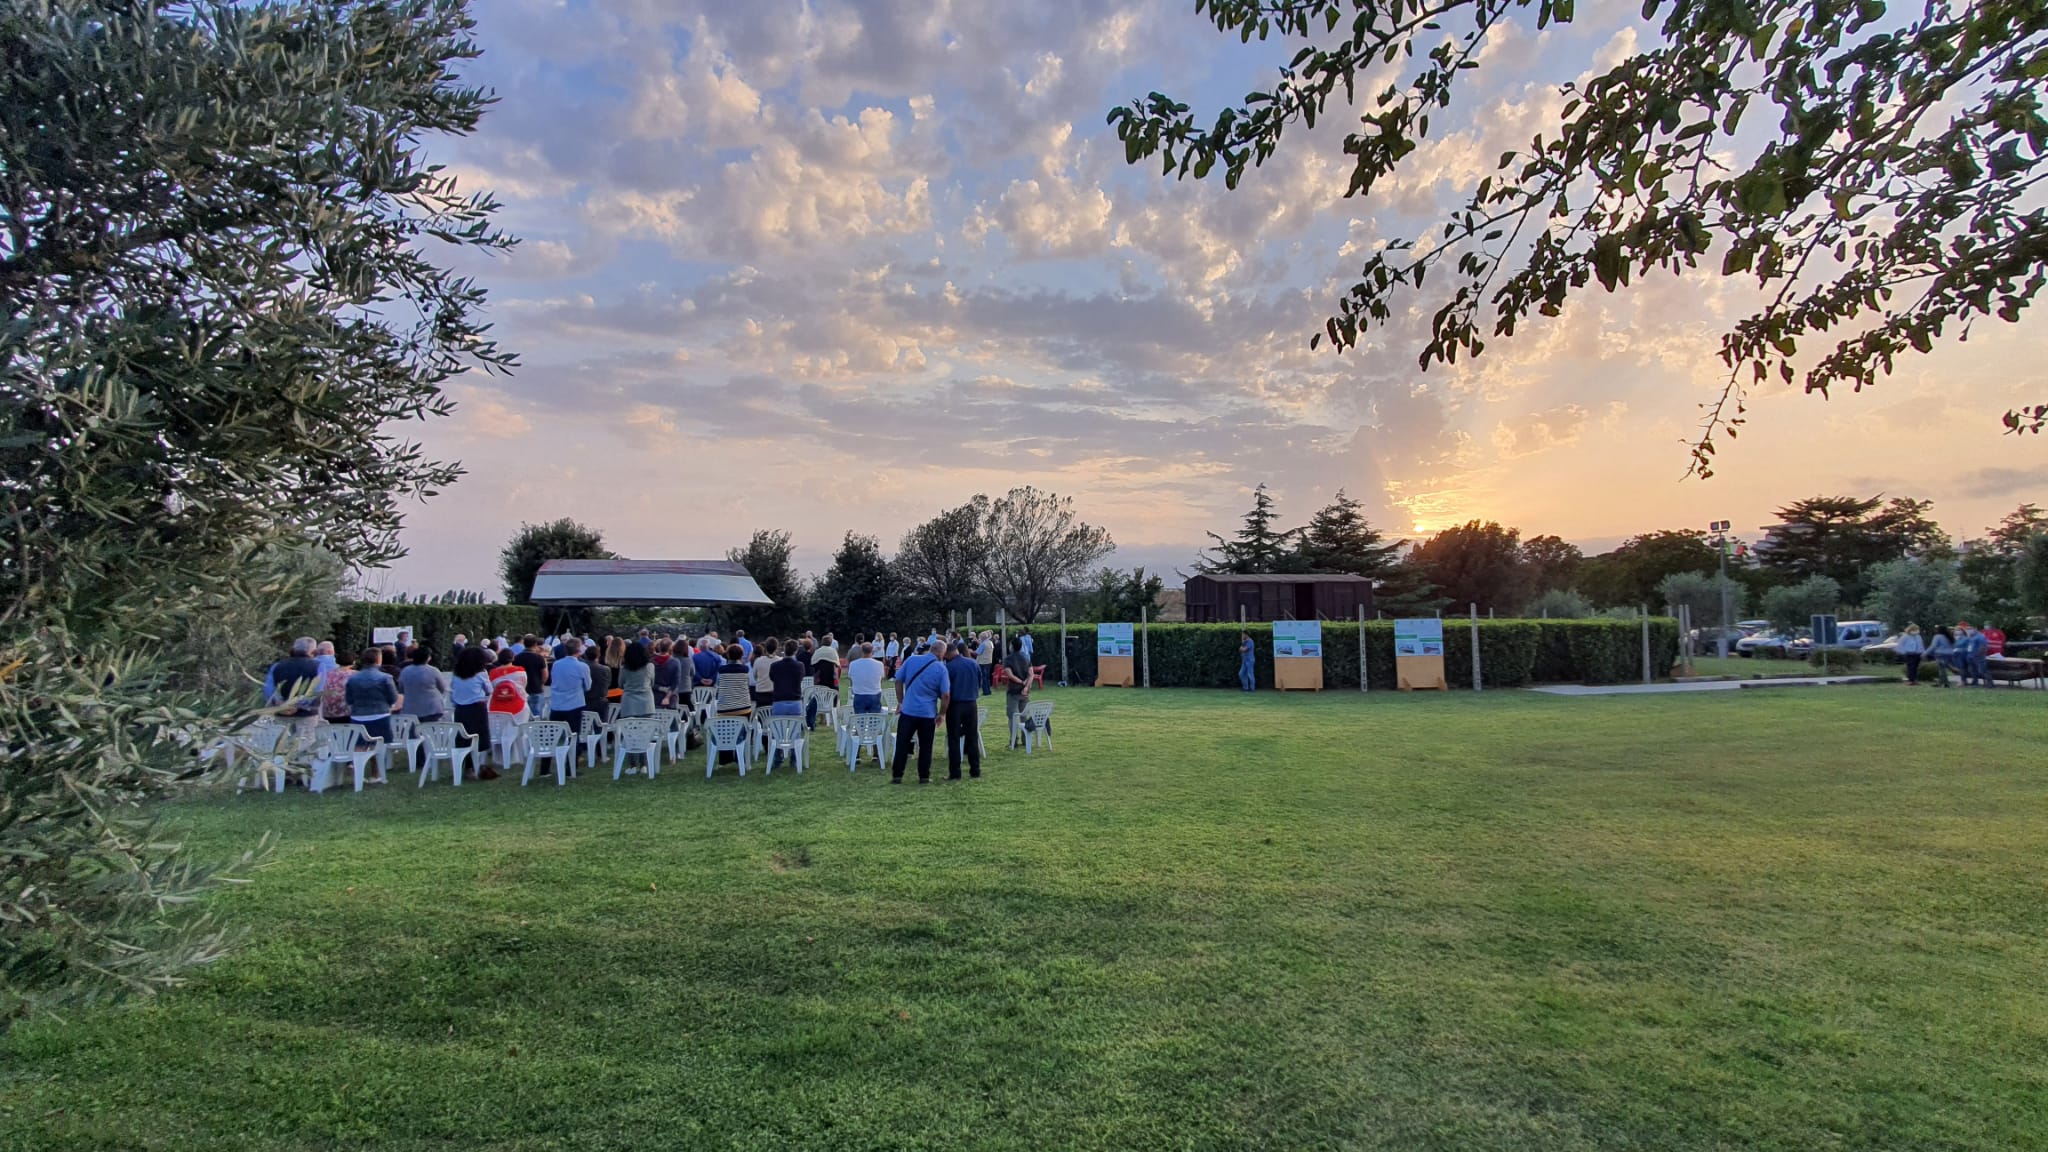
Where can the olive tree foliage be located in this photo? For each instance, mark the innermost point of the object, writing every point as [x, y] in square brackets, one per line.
[1874, 174]
[218, 264]
[1793, 606]
[1033, 546]
[1915, 591]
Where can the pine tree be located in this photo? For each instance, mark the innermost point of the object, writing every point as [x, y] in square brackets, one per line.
[1338, 539]
[1258, 546]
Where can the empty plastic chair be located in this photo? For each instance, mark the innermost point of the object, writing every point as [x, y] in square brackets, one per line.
[870, 730]
[447, 743]
[637, 736]
[673, 730]
[346, 744]
[593, 734]
[405, 733]
[267, 749]
[550, 740]
[1036, 725]
[732, 734]
[786, 736]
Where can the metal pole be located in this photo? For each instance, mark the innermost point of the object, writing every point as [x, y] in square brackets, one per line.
[1727, 609]
[1646, 643]
[1364, 684]
[1476, 684]
[1063, 646]
[970, 619]
[1145, 640]
[1003, 622]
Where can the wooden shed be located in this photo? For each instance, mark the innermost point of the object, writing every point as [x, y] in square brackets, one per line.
[1227, 597]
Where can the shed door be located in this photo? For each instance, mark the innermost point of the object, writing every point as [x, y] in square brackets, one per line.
[1247, 601]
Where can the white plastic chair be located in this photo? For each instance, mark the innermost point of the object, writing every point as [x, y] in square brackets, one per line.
[268, 748]
[786, 735]
[637, 736]
[703, 700]
[346, 744]
[728, 734]
[447, 743]
[981, 731]
[593, 735]
[550, 740]
[405, 733]
[841, 719]
[869, 730]
[1031, 726]
[506, 738]
[674, 730]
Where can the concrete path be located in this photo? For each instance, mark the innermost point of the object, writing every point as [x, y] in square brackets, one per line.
[1706, 685]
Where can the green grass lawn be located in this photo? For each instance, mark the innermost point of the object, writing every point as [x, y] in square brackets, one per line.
[1790, 920]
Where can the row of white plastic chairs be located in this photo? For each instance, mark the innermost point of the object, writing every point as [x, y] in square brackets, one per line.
[635, 743]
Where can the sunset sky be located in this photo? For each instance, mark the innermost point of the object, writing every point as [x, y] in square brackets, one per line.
[838, 265]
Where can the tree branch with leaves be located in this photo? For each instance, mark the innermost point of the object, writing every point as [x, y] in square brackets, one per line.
[1876, 176]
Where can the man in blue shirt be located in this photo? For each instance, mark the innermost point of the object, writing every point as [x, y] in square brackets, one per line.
[926, 689]
[963, 715]
[1026, 637]
[739, 636]
[704, 667]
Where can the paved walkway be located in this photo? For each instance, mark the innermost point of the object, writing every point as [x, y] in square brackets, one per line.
[1707, 685]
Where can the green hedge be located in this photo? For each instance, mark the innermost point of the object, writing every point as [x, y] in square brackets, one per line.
[1512, 652]
[435, 625]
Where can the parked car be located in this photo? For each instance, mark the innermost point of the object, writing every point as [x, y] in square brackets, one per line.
[1766, 643]
[1850, 636]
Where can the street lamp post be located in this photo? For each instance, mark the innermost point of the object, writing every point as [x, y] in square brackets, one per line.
[1720, 529]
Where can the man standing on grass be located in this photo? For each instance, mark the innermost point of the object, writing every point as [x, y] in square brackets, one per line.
[1016, 683]
[926, 691]
[963, 716]
[1247, 664]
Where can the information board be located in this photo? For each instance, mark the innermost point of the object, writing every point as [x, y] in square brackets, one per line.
[1419, 654]
[1419, 638]
[391, 635]
[1298, 639]
[1298, 654]
[1115, 656]
[1116, 640]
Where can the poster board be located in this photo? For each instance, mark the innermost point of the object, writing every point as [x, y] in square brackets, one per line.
[1419, 655]
[383, 636]
[1298, 655]
[1115, 655]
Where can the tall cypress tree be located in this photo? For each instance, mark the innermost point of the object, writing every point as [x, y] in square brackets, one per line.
[1258, 547]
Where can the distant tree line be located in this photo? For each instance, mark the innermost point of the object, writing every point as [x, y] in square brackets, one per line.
[1024, 554]
[1884, 557]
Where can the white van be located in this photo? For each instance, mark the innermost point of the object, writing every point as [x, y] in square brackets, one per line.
[1855, 635]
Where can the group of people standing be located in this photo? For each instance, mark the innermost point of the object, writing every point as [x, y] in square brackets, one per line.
[941, 680]
[1965, 651]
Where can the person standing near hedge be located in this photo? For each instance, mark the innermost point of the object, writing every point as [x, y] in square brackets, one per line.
[1247, 664]
[1942, 650]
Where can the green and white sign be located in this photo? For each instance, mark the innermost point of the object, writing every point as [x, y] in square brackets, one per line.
[1297, 639]
[1419, 637]
[1115, 640]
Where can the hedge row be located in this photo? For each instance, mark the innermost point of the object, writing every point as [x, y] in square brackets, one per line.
[1511, 652]
[435, 625]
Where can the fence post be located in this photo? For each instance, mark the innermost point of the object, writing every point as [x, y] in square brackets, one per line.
[1145, 640]
[1646, 642]
[1063, 646]
[1477, 685]
[1363, 679]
